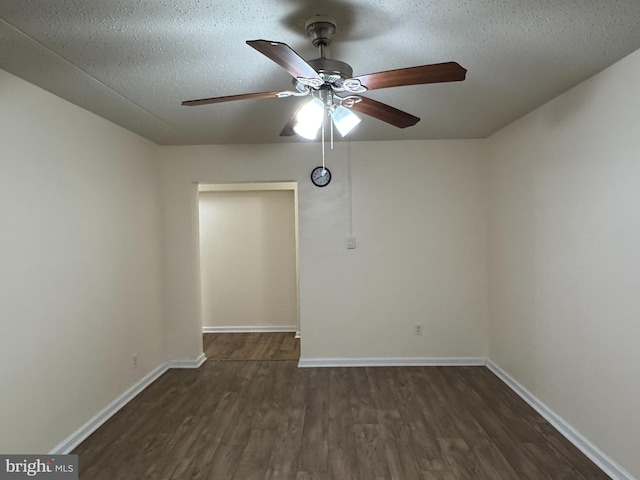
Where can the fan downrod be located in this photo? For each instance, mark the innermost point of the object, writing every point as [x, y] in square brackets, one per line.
[321, 29]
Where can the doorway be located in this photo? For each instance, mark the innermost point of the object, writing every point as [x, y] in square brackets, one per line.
[248, 238]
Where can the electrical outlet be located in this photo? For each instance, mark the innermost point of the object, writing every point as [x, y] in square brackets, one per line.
[351, 243]
[417, 329]
[135, 361]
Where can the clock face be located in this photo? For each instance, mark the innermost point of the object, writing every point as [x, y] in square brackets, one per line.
[321, 176]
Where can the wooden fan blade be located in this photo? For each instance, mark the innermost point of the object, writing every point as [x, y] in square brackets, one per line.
[435, 73]
[287, 131]
[230, 98]
[286, 57]
[385, 112]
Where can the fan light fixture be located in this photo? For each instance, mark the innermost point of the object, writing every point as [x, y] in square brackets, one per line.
[309, 119]
[344, 120]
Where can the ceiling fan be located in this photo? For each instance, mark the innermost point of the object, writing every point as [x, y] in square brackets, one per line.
[333, 88]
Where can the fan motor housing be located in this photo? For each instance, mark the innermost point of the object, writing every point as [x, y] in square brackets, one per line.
[331, 70]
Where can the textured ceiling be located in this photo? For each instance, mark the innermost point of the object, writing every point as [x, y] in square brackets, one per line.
[133, 62]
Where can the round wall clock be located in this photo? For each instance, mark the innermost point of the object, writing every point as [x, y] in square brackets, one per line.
[321, 176]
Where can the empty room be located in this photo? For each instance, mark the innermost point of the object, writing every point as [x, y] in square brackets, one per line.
[319, 240]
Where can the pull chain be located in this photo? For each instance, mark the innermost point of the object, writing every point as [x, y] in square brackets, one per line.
[323, 169]
[331, 126]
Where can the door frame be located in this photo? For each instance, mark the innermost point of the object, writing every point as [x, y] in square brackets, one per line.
[259, 187]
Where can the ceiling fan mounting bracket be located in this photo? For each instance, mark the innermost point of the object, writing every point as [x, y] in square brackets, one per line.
[320, 29]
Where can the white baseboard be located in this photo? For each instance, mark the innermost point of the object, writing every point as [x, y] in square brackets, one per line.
[298, 334]
[95, 422]
[597, 456]
[77, 437]
[251, 329]
[392, 362]
[187, 363]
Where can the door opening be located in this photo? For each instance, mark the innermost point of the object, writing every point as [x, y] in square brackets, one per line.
[248, 236]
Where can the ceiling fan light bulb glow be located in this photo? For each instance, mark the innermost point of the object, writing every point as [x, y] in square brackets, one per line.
[304, 132]
[309, 119]
[344, 120]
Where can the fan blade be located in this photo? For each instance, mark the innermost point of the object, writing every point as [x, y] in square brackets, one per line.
[230, 98]
[385, 112]
[286, 57]
[287, 131]
[436, 73]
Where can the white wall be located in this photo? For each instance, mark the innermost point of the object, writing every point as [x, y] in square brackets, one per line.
[419, 214]
[565, 257]
[248, 259]
[80, 275]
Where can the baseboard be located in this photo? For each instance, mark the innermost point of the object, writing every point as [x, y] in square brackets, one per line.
[77, 437]
[392, 362]
[187, 363]
[251, 329]
[597, 456]
[95, 422]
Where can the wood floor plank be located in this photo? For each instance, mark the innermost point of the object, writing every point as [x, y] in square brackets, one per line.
[444, 475]
[371, 453]
[495, 393]
[251, 346]
[363, 406]
[570, 453]
[466, 424]
[223, 415]
[289, 343]
[221, 346]
[495, 463]
[462, 461]
[341, 440]
[255, 457]
[400, 449]
[283, 463]
[433, 403]
[498, 429]
[406, 455]
[315, 448]
[342, 463]
[552, 462]
[257, 419]
[426, 418]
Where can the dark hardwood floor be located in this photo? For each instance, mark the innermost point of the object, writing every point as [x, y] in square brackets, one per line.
[251, 346]
[270, 420]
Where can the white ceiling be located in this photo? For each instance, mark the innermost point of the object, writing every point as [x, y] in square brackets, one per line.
[133, 62]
